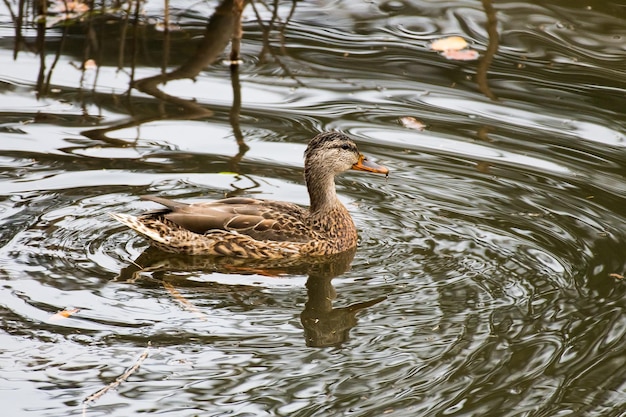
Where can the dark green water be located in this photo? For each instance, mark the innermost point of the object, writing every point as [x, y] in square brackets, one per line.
[488, 280]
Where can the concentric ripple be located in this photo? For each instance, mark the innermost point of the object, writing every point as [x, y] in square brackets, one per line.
[489, 276]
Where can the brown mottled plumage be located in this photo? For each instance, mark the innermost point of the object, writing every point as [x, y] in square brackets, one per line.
[264, 229]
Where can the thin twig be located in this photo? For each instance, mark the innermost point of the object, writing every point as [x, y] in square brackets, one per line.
[267, 47]
[187, 305]
[281, 32]
[235, 48]
[118, 381]
[13, 17]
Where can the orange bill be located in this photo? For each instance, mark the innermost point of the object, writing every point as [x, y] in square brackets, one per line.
[363, 164]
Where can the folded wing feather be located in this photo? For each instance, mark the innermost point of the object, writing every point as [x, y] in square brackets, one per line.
[259, 219]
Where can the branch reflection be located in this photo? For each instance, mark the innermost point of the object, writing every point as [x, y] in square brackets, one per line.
[217, 35]
[123, 30]
[492, 48]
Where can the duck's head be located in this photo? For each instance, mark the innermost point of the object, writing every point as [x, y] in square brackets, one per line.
[335, 152]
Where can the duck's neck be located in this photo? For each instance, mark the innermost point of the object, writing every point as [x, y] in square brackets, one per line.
[329, 218]
[321, 187]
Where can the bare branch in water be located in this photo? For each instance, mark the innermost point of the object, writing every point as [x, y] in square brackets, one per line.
[118, 381]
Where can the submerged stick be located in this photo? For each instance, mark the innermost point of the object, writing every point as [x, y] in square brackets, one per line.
[118, 380]
[187, 305]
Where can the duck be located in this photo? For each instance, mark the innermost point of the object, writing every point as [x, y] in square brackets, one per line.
[242, 227]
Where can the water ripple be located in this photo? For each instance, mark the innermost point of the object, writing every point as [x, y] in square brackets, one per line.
[489, 272]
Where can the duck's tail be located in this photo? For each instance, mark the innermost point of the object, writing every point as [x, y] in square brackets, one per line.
[140, 227]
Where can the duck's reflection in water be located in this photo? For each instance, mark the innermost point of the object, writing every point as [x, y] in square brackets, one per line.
[323, 324]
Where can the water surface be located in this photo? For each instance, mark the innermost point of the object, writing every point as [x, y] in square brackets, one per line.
[488, 280]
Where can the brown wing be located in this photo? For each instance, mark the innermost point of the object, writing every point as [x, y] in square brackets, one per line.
[259, 219]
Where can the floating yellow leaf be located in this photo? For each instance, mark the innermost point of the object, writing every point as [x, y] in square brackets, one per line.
[90, 64]
[412, 123]
[452, 43]
[62, 315]
[456, 48]
[462, 55]
[69, 7]
[162, 27]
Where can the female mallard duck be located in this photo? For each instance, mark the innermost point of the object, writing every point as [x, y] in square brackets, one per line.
[264, 229]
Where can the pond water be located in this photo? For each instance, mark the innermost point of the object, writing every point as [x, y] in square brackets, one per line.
[488, 280]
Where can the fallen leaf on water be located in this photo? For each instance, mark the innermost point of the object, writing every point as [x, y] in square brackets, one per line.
[462, 55]
[69, 7]
[454, 47]
[62, 315]
[484, 167]
[483, 133]
[162, 27]
[453, 43]
[90, 64]
[412, 123]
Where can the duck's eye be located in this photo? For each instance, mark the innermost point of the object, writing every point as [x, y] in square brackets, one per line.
[345, 147]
